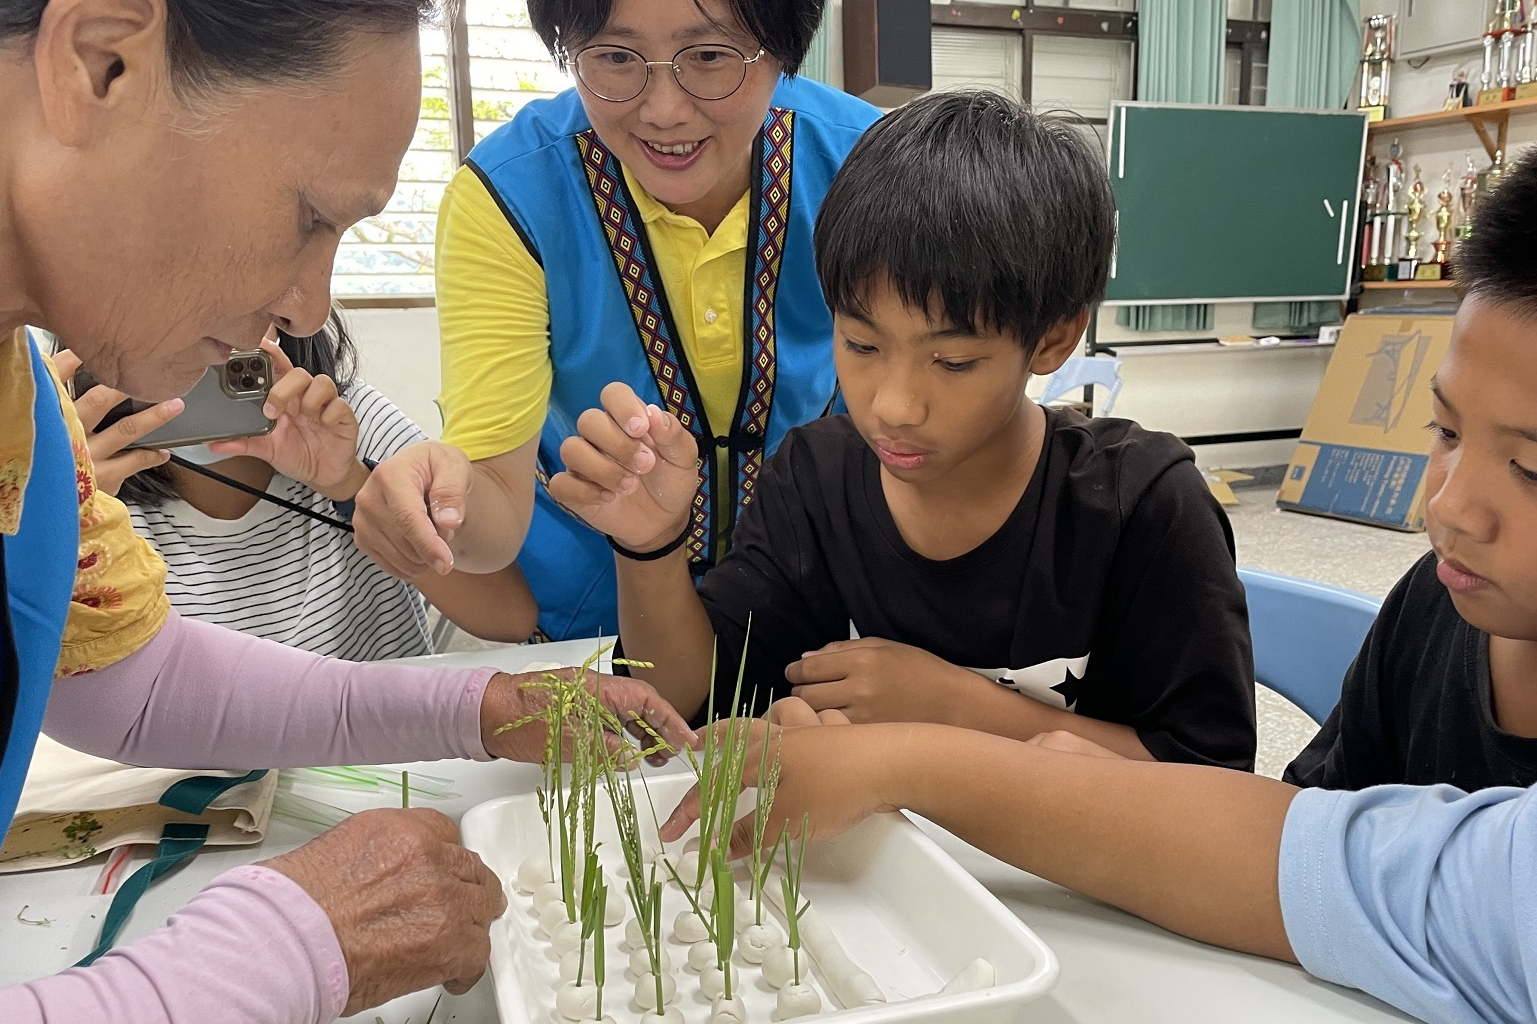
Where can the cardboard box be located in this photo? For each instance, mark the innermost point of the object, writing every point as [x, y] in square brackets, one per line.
[1221, 484]
[1365, 449]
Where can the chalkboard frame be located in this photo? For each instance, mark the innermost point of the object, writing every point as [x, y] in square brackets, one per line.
[1115, 157]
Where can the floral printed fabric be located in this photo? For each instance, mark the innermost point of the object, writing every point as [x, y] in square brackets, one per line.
[119, 601]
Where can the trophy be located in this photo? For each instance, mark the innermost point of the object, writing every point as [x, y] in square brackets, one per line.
[1393, 212]
[1467, 197]
[1526, 58]
[1376, 66]
[1436, 269]
[1413, 211]
[1457, 95]
[1371, 237]
[1497, 81]
[1495, 174]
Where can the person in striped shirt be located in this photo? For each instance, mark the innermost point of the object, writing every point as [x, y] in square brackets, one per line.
[256, 566]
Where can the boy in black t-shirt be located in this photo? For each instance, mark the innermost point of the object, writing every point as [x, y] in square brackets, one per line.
[948, 551]
[1445, 687]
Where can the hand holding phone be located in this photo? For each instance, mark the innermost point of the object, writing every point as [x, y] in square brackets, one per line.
[113, 456]
[314, 436]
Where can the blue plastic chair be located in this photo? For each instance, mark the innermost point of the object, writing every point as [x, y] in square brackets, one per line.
[1084, 370]
[1306, 635]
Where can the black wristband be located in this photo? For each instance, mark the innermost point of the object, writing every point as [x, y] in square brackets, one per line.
[345, 509]
[649, 556]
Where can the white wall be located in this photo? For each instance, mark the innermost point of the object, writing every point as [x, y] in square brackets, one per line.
[398, 354]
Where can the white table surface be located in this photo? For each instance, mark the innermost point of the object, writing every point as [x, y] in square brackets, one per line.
[1114, 966]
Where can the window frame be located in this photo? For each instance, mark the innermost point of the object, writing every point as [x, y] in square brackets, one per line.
[1249, 37]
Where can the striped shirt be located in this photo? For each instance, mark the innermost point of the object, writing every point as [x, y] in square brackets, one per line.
[279, 575]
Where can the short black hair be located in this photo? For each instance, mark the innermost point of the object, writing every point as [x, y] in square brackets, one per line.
[210, 43]
[782, 27]
[330, 352]
[1498, 261]
[975, 208]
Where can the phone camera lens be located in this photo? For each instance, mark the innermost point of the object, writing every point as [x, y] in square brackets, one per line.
[248, 382]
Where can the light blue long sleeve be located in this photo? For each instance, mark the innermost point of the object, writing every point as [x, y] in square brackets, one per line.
[1423, 897]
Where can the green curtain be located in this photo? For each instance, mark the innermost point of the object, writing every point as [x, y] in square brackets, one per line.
[815, 66]
[1314, 47]
[1180, 50]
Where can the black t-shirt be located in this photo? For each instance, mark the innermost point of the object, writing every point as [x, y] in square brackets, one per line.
[1110, 590]
[1415, 706]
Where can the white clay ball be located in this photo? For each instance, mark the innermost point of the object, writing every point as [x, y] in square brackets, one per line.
[552, 917]
[640, 961]
[634, 935]
[613, 908]
[688, 868]
[779, 966]
[576, 1002]
[688, 928]
[712, 981]
[702, 955]
[746, 913]
[797, 1001]
[566, 938]
[672, 1016]
[533, 873]
[645, 990]
[728, 1011]
[546, 895]
[570, 966]
[663, 862]
[758, 941]
[691, 844]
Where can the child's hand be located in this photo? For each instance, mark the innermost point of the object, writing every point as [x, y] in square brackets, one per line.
[631, 471]
[873, 680]
[315, 439]
[832, 771]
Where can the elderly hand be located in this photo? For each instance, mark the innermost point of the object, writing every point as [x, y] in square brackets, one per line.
[510, 699]
[315, 437]
[411, 907]
[111, 457]
[632, 471]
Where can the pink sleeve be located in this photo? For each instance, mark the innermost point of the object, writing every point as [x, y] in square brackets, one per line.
[252, 948]
[201, 696]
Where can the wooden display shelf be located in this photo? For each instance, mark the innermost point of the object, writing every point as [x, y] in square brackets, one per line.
[1395, 285]
[1480, 118]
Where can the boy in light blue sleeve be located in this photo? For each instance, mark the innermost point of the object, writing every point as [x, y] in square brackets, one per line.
[1424, 897]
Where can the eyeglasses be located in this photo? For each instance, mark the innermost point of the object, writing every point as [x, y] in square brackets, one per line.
[706, 71]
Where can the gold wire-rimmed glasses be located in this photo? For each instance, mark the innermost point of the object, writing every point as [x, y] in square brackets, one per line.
[706, 71]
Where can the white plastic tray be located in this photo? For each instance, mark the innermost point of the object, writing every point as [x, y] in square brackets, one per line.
[903, 910]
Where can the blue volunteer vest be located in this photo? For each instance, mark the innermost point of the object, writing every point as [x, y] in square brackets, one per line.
[39, 576]
[565, 195]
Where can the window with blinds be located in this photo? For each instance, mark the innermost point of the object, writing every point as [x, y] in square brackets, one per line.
[978, 58]
[392, 254]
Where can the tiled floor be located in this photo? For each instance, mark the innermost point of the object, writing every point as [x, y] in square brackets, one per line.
[1359, 557]
[1363, 558]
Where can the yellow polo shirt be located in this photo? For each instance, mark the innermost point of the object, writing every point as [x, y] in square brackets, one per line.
[119, 601]
[494, 314]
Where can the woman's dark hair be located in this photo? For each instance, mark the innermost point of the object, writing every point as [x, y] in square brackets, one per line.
[1498, 261]
[782, 27]
[330, 352]
[974, 209]
[219, 42]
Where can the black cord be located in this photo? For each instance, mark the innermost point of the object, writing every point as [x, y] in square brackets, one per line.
[261, 495]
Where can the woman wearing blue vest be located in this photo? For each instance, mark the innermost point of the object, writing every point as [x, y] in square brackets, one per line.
[651, 225]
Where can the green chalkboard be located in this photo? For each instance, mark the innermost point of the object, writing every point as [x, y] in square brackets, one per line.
[1233, 203]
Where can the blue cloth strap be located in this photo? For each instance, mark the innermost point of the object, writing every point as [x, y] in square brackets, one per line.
[178, 842]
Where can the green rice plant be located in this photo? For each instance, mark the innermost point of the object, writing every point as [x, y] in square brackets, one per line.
[790, 886]
[725, 917]
[768, 784]
[592, 915]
